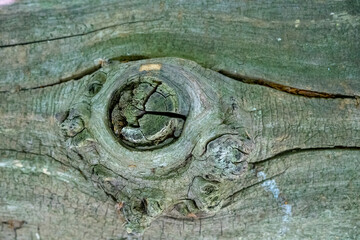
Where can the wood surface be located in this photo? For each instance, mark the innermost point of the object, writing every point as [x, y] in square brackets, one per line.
[268, 92]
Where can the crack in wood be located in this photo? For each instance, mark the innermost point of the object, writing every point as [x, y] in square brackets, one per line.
[14, 225]
[79, 34]
[237, 77]
[50, 157]
[229, 200]
[166, 114]
[75, 76]
[284, 88]
[297, 150]
[85, 72]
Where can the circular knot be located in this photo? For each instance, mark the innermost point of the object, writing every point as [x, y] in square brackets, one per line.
[146, 113]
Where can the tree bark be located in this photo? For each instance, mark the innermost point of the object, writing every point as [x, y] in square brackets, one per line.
[199, 120]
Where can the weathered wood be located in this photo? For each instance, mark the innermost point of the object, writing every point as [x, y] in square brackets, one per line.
[308, 45]
[267, 145]
[268, 126]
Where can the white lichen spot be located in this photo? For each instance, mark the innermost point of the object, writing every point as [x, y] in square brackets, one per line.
[37, 236]
[332, 14]
[6, 2]
[109, 179]
[287, 210]
[278, 39]
[271, 186]
[45, 171]
[62, 176]
[12, 207]
[297, 23]
[18, 164]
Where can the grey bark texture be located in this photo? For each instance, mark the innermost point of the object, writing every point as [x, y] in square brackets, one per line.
[180, 120]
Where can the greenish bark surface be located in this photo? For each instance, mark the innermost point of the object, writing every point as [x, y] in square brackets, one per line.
[191, 120]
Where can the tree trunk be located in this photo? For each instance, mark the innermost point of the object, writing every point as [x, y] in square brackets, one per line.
[191, 120]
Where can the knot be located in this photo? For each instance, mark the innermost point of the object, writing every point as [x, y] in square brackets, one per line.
[146, 113]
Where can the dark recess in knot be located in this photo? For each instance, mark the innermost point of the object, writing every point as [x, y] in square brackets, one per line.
[145, 114]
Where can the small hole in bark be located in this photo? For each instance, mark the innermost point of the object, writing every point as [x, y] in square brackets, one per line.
[94, 88]
[208, 189]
